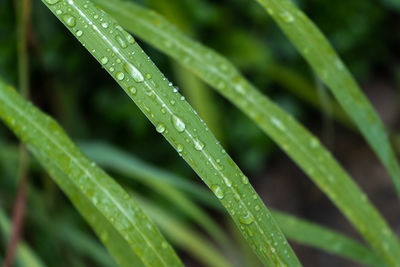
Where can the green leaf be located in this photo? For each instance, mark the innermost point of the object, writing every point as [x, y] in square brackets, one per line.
[178, 122]
[115, 217]
[295, 229]
[315, 48]
[292, 137]
[112, 158]
[184, 237]
[311, 234]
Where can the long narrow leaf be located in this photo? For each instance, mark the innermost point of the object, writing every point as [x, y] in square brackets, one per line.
[103, 203]
[294, 139]
[172, 116]
[315, 48]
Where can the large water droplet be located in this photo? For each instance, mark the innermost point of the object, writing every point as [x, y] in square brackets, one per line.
[51, 2]
[178, 123]
[121, 41]
[69, 20]
[198, 145]
[160, 128]
[120, 76]
[134, 72]
[217, 191]
[247, 219]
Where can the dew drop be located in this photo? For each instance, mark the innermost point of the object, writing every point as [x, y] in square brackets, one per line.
[120, 76]
[160, 128]
[247, 219]
[79, 33]
[51, 2]
[178, 123]
[198, 145]
[287, 17]
[134, 72]
[121, 41]
[228, 182]
[69, 20]
[217, 191]
[132, 90]
[244, 179]
[179, 148]
[104, 25]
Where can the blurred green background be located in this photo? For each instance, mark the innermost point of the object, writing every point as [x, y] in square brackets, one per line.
[67, 83]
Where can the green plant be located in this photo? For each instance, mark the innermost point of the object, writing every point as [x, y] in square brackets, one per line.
[115, 216]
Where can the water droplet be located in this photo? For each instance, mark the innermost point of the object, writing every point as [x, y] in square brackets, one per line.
[69, 20]
[228, 182]
[132, 90]
[120, 76]
[134, 72]
[79, 33]
[198, 145]
[51, 2]
[179, 148]
[244, 179]
[287, 17]
[217, 191]
[104, 25]
[178, 123]
[121, 41]
[257, 208]
[58, 12]
[164, 244]
[247, 219]
[160, 128]
[130, 39]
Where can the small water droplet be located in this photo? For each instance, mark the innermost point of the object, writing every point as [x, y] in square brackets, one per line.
[244, 179]
[228, 182]
[132, 90]
[79, 33]
[134, 72]
[217, 191]
[160, 128]
[178, 123]
[69, 20]
[120, 76]
[257, 208]
[121, 41]
[179, 148]
[287, 17]
[198, 145]
[104, 25]
[247, 219]
[58, 12]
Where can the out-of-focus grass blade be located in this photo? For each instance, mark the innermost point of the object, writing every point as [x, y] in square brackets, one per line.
[111, 158]
[294, 139]
[172, 116]
[184, 237]
[135, 168]
[315, 48]
[116, 218]
[311, 234]
[25, 256]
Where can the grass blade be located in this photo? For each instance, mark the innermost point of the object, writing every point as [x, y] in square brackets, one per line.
[103, 203]
[292, 137]
[184, 237]
[134, 168]
[178, 122]
[315, 48]
[111, 158]
[311, 234]
[295, 229]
